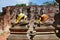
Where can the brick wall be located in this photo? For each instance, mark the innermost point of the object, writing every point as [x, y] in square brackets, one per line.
[9, 13]
[5, 18]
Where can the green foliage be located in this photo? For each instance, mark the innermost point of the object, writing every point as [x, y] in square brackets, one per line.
[50, 3]
[20, 4]
[46, 3]
[31, 3]
[0, 13]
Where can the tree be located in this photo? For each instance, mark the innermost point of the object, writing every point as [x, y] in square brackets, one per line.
[31, 3]
[50, 3]
[46, 3]
[55, 3]
[0, 13]
[20, 4]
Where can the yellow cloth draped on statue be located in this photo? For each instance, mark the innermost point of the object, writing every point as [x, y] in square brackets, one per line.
[20, 16]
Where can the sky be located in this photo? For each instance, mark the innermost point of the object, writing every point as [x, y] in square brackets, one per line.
[4, 3]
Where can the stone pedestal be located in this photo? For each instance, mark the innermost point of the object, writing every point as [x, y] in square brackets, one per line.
[46, 37]
[18, 30]
[18, 33]
[17, 37]
[44, 28]
[45, 33]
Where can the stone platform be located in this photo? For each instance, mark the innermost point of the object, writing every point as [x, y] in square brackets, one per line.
[17, 37]
[42, 33]
[46, 37]
[37, 37]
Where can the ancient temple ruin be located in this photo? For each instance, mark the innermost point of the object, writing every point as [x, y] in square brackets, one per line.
[10, 13]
